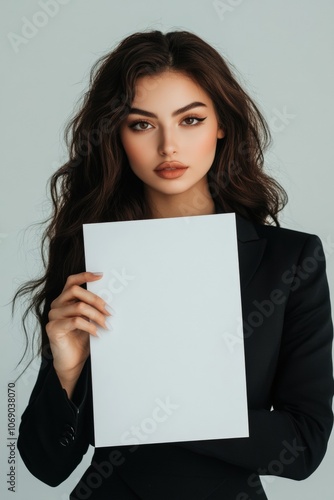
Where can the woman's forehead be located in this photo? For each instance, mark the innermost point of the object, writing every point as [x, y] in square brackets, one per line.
[171, 86]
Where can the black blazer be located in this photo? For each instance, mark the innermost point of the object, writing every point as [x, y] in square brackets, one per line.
[288, 350]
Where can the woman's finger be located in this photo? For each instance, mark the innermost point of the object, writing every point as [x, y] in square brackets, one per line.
[78, 309]
[81, 278]
[64, 326]
[77, 293]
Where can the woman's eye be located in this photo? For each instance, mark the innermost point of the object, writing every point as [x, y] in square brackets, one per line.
[193, 120]
[141, 125]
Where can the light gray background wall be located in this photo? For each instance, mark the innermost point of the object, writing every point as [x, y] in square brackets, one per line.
[283, 51]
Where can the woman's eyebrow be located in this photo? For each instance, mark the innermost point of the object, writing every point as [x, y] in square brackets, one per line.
[192, 105]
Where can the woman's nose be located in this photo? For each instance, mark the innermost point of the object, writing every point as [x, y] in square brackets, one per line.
[167, 143]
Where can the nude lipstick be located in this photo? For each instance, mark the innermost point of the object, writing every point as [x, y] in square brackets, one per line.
[170, 169]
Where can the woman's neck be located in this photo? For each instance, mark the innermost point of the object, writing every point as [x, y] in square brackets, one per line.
[180, 205]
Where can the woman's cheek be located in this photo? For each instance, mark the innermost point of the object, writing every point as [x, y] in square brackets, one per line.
[132, 149]
[206, 146]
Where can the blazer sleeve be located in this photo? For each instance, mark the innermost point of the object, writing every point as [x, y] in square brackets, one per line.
[55, 432]
[291, 439]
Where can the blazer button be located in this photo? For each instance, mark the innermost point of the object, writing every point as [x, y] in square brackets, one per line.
[64, 441]
[69, 431]
[67, 436]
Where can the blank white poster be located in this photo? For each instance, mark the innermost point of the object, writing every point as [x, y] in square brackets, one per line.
[165, 373]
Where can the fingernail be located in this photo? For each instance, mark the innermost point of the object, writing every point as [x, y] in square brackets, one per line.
[109, 325]
[109, 309]
[98, 274]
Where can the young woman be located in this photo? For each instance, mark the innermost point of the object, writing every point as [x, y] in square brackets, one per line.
[165, 130]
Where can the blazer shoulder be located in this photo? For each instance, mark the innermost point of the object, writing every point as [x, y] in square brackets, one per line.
[285, 235]
[279, 243]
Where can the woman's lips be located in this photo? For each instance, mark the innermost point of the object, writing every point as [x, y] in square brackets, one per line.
[170, 169]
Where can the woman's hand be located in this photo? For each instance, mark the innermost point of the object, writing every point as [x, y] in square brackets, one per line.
[74, 315]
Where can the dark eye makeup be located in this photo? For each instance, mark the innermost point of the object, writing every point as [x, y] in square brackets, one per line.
[139, 123]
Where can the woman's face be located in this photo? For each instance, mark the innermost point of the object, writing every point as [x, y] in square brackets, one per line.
[172, 119]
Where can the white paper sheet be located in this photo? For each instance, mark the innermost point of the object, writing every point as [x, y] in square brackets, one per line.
[166, 371]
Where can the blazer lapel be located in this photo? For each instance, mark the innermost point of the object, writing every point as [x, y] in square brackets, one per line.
[250, 248]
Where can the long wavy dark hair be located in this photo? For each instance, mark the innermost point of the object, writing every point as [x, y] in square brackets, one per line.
[96, 184]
